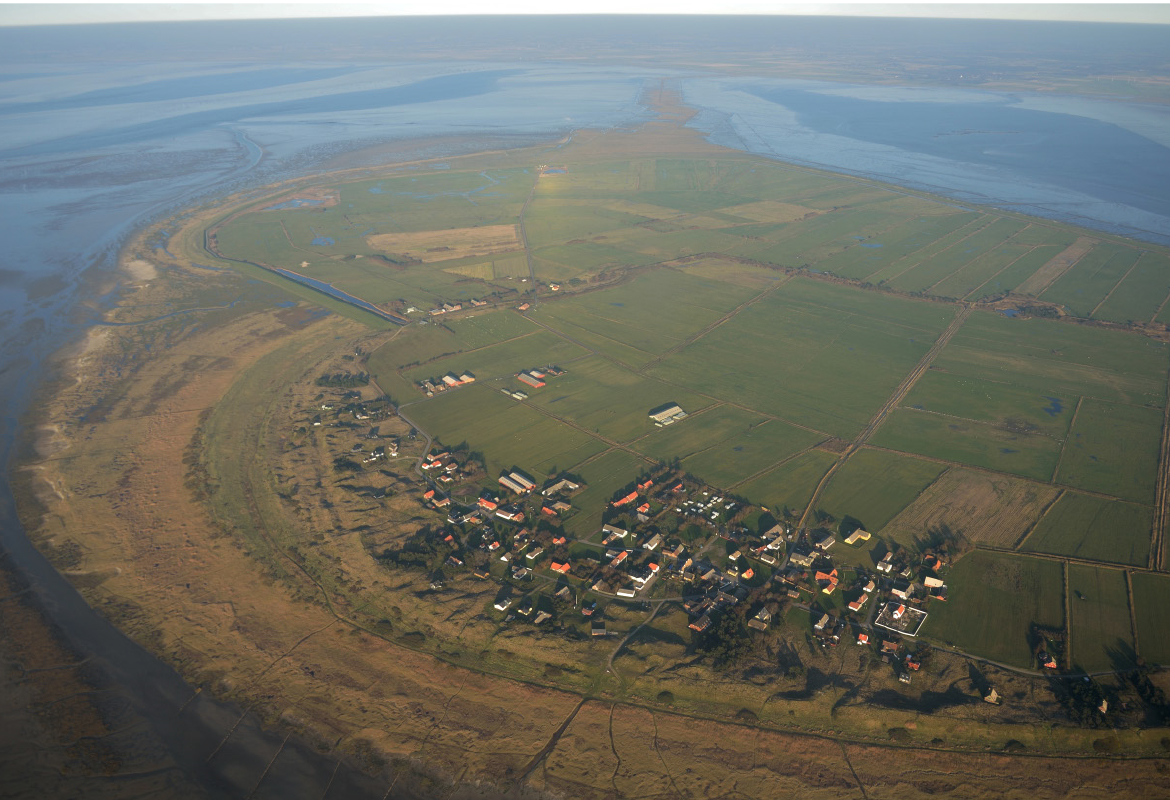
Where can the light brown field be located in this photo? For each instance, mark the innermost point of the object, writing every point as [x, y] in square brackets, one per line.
[1059, 264]
[773, 211]
[444, 245]
[982, 508]
[734, 272]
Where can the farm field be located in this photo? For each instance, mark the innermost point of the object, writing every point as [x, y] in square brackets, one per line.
[726, 444]
[500, 360]
[1055, 359]
[642, 319]
[1093, 528]
[993, 601]
[1090, 280]
[995, 402]
[507, 433]
[1151, 601]
[814, 354]
[873, 486]
[980, 507]
[1141, 294]
[1113, 448]
[789, 485]
[1099, 604]
[608, 399]
[978, 444]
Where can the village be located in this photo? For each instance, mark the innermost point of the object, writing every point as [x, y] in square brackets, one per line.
[667, 536]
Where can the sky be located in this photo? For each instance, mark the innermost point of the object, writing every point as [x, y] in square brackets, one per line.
[51, 13]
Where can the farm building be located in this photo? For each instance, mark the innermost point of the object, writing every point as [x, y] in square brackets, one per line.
[526, 483]
[508, 483]
[857, 536]
[563, 485]
[531, 380]
[666, 415]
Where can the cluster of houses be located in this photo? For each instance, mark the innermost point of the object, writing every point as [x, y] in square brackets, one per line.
[447, 308]
[350, 407]
[449, 381]
[446, 468]
[887, 603]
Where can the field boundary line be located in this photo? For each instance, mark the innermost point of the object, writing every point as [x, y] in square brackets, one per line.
[1067, 622]
[524, 236]
[928, 289]
[1157, 560]
[1032, 528]
[1064, 445]
[1120, 281]
[891, 403]
[1132, 614]
[1077, 560]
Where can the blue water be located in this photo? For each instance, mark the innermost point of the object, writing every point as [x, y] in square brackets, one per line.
[1055, 406]
[1092, 162]
[1009, 312]
[323, 241]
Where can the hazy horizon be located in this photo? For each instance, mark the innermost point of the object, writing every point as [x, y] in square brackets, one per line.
[36, 14]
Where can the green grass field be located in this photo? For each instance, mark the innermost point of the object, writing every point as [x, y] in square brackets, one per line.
[993, 600]
[995, 402]
[1016, 273]
[975, 443]
[725, 445]
[1113, 448]
[814, 354]
[1089, 527]
[506, 432]
[501, 360]
[1087, 283]
[1151, 599]
[1098, 602]
[873, 486]
[608, 399]
[640, 320]
[1141, 294]
[1056, 359]
[789, 485]
[931, 272]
